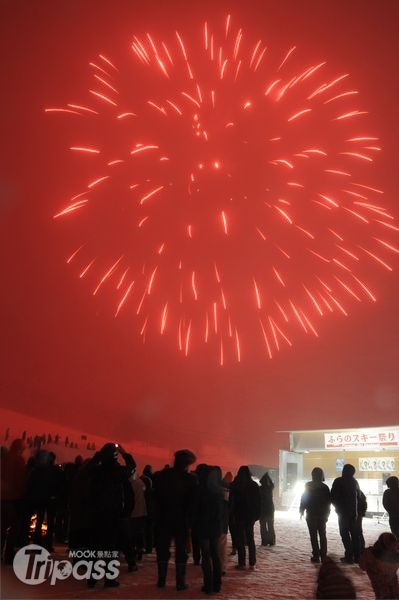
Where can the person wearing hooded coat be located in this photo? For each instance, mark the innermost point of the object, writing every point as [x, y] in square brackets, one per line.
[390, 501]
[109, 501]
[316, 501]
[245, 498]
[174, 501]
[266, 521]
[345, 495]
[381, 563]
[227, 479]
[209, 521]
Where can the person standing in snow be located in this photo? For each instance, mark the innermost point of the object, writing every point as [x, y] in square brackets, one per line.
[174, 502]
[390, 500]
[266, 520]
[345, 495]
[316, 501]
[245, 498]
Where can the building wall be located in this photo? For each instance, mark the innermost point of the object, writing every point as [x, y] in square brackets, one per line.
[327, 461]
[318, 448]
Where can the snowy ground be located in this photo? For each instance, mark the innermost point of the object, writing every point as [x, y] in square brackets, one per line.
[283, 572]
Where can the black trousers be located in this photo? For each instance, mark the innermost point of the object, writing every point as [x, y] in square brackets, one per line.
[13, 525]
[127, 539]
[245, 535]
[350, 535]
[233, 532]
[105, 538]
[317, 531]
[196, 545]
[394, 525]
[211, 566]
[164, 534]
[149, 534]
[267, 532]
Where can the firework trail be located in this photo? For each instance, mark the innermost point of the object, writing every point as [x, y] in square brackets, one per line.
[232, 200]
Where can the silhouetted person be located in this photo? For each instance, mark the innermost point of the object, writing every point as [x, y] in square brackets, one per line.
[361, 513]
[390, 501]
[245, 498]
[147, 477]
[267, 533]
[126, 525]
[106, 500]
[148, 472]
[13, 484]
[195, 538]
[62, 517]
[333, 584]
[139, 515]
[225, 522]
[227, 481]
[209, 525]
[316, 501]
[381, 563]
[80, 510]
[174, 498]
[41, 493]
[345, 494]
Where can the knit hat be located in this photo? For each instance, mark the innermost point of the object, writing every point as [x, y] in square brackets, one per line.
[184, 458]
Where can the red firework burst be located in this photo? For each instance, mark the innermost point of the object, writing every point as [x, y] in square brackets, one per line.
[233, 196]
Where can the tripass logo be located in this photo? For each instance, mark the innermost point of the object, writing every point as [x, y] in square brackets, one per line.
[33, 565]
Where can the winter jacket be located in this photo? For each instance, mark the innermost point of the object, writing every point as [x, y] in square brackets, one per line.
[390, 501]
[110, 490]
[174, 497]
[316, 500]
[345, 493]
[266, 496]
[210, 505]
[245, 500]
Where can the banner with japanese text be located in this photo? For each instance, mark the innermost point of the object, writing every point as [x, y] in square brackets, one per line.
[358, 439]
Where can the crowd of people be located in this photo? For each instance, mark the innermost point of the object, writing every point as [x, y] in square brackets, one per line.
[380, 561]
[103, 505]
[35, 440]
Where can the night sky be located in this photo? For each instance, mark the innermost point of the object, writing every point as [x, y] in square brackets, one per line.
[64, 357]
